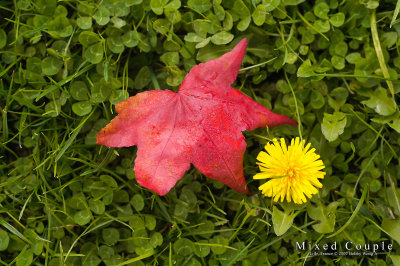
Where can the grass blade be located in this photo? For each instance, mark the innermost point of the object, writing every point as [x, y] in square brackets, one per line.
[138, 258]
[13, 230]
[354, 214]
[395, 13]
[379, 53]
[73, 137]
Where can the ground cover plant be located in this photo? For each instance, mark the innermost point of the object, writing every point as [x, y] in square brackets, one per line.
[331, 65]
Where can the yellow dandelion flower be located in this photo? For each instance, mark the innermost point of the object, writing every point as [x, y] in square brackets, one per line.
[293, 171]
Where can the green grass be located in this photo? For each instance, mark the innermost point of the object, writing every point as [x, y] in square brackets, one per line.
[332, 65]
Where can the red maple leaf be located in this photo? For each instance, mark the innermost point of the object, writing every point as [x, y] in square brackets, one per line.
[201, 124]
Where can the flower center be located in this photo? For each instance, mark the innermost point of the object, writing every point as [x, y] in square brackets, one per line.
[291, 173]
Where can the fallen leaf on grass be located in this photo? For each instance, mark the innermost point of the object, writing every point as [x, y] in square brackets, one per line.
[201, 124]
